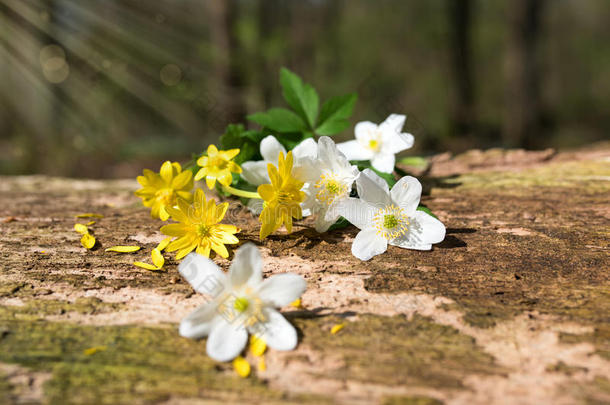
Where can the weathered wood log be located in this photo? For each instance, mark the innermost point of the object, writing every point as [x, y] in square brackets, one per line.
[513, 307]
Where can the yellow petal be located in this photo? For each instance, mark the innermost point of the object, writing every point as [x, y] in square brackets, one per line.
[123, 249]
[261, 364]
[157, 258]
[220, 249]
[234, 167]
[257, 346]
[89, 215]
[182, 180]
[212, 150]
[210, 181]
[183, 252]
[241, 366]
[266, 191]
[230, 154]
[161, 246]
[92, 350]
[90, 223]
[200, 174]
[87, 241]
[145, 266]
[163, 214]
[336, 328]
[80, 228]
[166, 172]
[225, 178]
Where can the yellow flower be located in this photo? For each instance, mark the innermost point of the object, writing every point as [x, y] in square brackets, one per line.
[199, 227]
[218, 165]
[161, 190]
[282, 197]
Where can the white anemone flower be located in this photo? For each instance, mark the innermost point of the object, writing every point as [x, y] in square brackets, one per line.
[392, 217]
[328, 178]
[255, 172]
[242, 302]
[378, 143]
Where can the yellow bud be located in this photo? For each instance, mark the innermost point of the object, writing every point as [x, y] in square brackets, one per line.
[257, 346]
[123, 249]
[88, 241]
[241, 366]
[336, 328]
[80, 228]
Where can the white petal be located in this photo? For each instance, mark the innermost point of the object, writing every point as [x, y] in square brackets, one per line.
[203, 274]
[424, 230]
[368, 244]
[282, 289]
[356, 211]
[373, 189]
[325, 220]
[393, 124]
[307, 170]
[307, 148]
[384, 162]
[406, 194]
[327, 151]
[433, 230]
[255, 172]
[271, 148]
[353, 150]
[199, 322]
[247, 266]
[226, 340]
[395, 143]
[364, 131]
[276, 331]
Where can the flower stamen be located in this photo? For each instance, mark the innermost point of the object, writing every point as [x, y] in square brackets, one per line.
[329, 188]
[391, 222]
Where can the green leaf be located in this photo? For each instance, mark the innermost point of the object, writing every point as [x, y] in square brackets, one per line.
[302, 97]
[246, 141]
[332, 127]
[415, 161]
[279, 119]
[334, 114]
[232, 136]
[340, 224]
[426, 210]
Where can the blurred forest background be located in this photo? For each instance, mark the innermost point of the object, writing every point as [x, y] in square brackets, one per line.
[103, 88]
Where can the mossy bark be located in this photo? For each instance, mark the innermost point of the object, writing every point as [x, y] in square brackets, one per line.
[527, 234]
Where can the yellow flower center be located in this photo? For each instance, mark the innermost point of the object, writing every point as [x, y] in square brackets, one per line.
[241, 304]
[218, 162]
[245, 309]
[329, 188]
[373, 144]
[203, 230]
[284, 197]
[165, 195]
[391, 222]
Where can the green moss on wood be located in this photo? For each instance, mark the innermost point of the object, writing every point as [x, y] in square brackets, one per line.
[398, 351]
[410, 400]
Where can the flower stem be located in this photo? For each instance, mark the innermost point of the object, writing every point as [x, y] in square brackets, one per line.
[241, 193]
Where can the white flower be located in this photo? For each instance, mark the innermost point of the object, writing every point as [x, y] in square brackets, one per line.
[328, 181]
[242, 302]
[392, 217]
[378, 143]
[255, 172]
